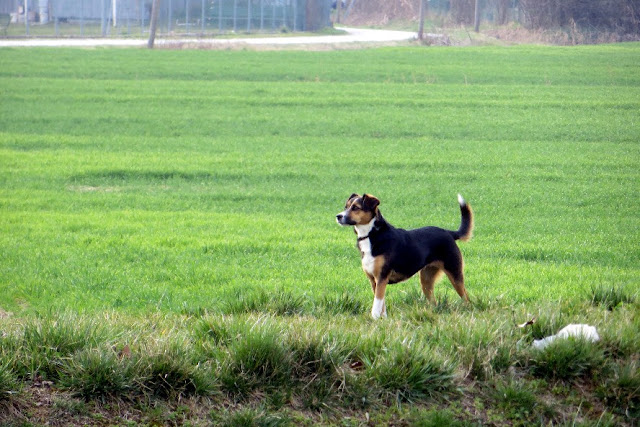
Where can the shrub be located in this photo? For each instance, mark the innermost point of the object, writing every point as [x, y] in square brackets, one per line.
[615, 15]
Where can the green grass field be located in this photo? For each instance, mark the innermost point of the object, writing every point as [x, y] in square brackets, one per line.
[178, 207]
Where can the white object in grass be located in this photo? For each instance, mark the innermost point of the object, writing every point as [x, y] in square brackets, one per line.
[586, 332]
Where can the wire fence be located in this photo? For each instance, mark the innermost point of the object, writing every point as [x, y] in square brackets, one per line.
[104, 18]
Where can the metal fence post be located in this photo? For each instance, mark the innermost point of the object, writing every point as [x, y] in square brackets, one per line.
[235, 15]
[26, 16]
[56, 24]
[82, 18]
[284, 14]
[202, 18]
[103, 23]
[273, 16]
[187, 16]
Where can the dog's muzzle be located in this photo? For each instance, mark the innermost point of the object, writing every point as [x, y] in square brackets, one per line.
[343, 219]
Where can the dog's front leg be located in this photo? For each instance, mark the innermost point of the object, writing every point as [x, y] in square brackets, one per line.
[379, 308]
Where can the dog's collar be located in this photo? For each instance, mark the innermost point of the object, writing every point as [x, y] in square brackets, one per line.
[376, 225]
[371, 232]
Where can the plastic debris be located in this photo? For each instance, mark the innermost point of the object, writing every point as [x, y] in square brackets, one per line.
[586, 332]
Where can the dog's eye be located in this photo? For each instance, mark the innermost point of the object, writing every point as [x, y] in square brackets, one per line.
[355, 208]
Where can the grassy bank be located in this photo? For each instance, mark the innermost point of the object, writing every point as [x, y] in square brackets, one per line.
[168, 247]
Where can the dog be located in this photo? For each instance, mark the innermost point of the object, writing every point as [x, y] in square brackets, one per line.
[391, 255]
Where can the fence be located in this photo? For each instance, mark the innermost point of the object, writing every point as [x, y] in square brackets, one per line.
[88, 18]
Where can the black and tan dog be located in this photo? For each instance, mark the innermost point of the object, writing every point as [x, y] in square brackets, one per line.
[391, 255]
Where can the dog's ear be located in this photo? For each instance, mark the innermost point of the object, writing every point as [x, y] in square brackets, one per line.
[369, 202]
[351, 197]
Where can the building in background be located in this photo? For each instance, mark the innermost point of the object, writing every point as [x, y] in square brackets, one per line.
[106, 17]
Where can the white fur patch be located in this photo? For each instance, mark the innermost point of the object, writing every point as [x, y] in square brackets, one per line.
[365, 246]
[365, 229]
[368, 261]
[378, 308]
[461, 200]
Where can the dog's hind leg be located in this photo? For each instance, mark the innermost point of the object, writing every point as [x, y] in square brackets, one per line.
[428, 278]
[457, 280]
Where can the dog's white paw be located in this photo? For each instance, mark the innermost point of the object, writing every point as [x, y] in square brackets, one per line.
[378, 308]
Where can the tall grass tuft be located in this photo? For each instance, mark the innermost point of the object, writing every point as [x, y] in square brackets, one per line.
[281, 303]
[434, 418]
[611, 297]
[47, 342]
[407, 372]
[344, 303]
[248, 416]
[516, 400]
[318, 371]
[246, 302]
[98, 373]
[568, 359]
[8, 382]
[258, 360]
[172, 372]
[622, 390]
[287, 304]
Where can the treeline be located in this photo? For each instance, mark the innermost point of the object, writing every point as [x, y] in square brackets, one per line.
[613, 16]
[621, 16]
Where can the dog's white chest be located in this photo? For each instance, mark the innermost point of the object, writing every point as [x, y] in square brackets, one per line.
[367, 259]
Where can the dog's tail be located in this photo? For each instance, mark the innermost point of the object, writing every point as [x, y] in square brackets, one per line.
[465, 231]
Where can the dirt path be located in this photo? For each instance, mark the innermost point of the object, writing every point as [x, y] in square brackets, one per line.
[353, 35]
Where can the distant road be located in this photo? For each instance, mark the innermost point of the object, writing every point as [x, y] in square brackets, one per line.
[354, 35]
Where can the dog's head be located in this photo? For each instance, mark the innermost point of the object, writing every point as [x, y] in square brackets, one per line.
[359, 210]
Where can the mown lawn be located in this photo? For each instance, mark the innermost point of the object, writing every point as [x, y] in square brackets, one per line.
[167, 226]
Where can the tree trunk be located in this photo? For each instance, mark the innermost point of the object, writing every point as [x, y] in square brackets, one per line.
[476, 18]
[154, 23]
[422, 14]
